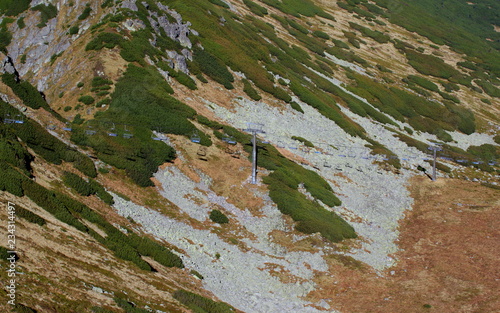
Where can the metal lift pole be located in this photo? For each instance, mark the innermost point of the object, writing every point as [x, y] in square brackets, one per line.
[254, 128]
[434, 149]
[254, 158]
[434, 165]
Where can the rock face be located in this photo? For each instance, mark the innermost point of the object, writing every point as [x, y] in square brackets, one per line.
[130, 4]
[239, 277]
[177, 31]
[8, 67]
[37, 46]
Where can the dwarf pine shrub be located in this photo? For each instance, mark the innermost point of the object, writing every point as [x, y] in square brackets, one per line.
[218, 217]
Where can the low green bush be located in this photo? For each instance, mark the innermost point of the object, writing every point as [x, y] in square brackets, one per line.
[148, 247]
[13, 153]
[250, 91]
[77, 183]
[104, 39]
[489, 88]
[218, 217]
[86, 99]
[201, 78]
[99, 81]
[297, 26]
[219, 3]
[374, 34]
[340, 44]
[186, 80]
[52, 202]
[423, 82]
[298, 8]
[255, 8]
[447, 96]
[30, 216]
[129, 307]
[4, 254]
[205, 121]
[296, 106]
[449, 87]
[47, 146]
[430, 65]
[199, 303]
[123, 251]
[73, 30]
[321, 34]
[99, 190]
[20, 22]
[14, 7]
[85, 13]
[306, 142]
[485, 152]
[27, 92]
[214, 68]
[10, 180]
[47, 12]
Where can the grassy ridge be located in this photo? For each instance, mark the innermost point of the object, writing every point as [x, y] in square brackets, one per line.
[15, 179]
[420, 113]
[459, 25]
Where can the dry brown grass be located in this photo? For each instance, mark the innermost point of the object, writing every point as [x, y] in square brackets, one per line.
[448, 258]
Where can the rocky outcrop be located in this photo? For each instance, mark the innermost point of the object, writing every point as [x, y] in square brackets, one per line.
[130, 4]
[178, 31]
[8, 67]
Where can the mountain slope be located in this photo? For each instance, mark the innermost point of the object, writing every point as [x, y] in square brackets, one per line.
[132, 116]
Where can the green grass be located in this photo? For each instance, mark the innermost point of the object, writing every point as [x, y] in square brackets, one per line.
[214, 68]
[218, 217]
[454, 23]
[427, 64]
[30, 216]
[250, 91]
[85, 13]
[142, 100]
[201, 304]
[423, 82]
[298, 8]
[255, 8]
[420, 113]
[46, 145]
[47, 12]
[375, 35]
[86, 99]
[14, 7]
[306, 142]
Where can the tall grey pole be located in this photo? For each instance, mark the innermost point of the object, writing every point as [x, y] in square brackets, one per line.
[254, 128]
[434, 149]
[434, 166]
[254, 159]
